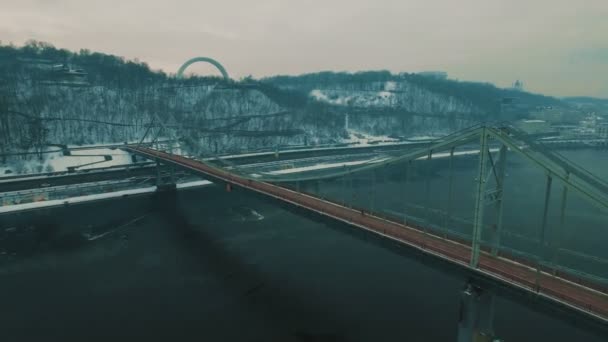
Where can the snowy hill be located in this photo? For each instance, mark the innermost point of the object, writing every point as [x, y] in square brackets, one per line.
[52, 96]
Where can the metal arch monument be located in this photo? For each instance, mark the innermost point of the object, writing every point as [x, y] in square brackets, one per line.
[180, 72]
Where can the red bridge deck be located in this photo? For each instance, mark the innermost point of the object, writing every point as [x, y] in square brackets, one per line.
[579, 297]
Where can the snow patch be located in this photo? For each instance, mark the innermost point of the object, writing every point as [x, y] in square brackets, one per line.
[78, 199]
[369, 99]
[360, 138]
[94, 197]
[60, 162]
[56, 161]
[459, 153]
[422, 138]
[325, 166]
[192, 184]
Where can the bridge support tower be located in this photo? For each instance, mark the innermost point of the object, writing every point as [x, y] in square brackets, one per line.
[165, 183]
[475, 323]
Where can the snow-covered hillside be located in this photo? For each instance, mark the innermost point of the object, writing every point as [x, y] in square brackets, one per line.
[398, 95]
[122, 100]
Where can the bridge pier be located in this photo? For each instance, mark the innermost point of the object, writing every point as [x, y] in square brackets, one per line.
[162, 184]
[475, 323]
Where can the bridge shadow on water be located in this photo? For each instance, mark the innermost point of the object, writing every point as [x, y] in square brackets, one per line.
[248, 285]
[307, 289]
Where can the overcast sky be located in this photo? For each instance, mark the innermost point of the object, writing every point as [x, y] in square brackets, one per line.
[556, 47]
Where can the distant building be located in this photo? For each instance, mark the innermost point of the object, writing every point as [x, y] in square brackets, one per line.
[534, 126]
[557, 115]
[439, 75]
[68, 75]
[602, 130]
[592, 123]
[51, 72]
[566, 130]
[518, 85]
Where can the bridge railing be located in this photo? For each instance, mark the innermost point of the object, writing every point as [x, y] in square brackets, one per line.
[383, 193]
[522, 248]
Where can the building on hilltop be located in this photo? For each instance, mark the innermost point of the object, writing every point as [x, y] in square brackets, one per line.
[49, 72]
[518, 85]
[65, 74]
[534, 126]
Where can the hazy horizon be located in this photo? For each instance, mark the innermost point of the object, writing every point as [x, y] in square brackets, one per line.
[555, 47]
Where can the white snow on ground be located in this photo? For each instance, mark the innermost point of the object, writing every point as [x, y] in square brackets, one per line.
[60, 162]
[318, 95]
[422, 137]
[160, 139]
[192, 184]
[356, 98]
[82, 154]
[362, 162]
[325, 166]
[385, 94]
[78, 199]
[356, 137]
[457, 153]
[330, 148]
[95, 197]
[56, 161]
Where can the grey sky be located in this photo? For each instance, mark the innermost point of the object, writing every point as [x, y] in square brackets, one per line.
[557, 47]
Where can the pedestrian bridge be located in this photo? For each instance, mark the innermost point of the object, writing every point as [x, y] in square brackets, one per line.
[534, 272]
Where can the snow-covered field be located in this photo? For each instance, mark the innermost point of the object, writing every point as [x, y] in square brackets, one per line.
[94, 197]
[360, 138]
[351, 98]
[56, 161]
[367, 161]
[422, 138]
[82, 157]
[325, 166]
[391, 94]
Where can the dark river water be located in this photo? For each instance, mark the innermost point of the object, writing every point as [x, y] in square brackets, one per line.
[211, 265]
